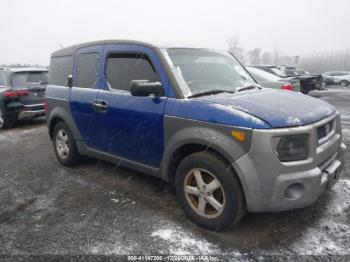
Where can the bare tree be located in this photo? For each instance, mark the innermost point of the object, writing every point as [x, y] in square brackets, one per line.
[235, 48]
[276, 56]
[266, 58]
[254, 56]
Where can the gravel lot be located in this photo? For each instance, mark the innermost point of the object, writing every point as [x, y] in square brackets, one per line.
[98, 208]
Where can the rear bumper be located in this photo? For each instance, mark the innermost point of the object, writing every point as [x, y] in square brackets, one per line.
[30, 114]
[31, 111]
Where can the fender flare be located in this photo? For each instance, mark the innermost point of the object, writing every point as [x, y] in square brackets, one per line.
[59, 112]
[222, 143]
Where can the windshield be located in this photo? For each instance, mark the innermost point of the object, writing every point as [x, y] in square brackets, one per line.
[203, 70]
[29, 79]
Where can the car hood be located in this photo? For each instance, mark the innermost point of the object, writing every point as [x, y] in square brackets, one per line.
[275, 107]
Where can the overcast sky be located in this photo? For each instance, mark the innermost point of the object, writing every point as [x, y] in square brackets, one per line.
[31, 30]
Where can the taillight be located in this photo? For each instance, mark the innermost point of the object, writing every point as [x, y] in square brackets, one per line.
[17, 93]
[287, 86]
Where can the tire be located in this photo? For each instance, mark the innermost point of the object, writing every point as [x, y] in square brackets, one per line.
[5, 122]
[64, 145]
[228, 193]
[343, 83]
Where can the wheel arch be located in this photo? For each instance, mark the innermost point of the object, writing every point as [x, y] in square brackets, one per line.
[59, 114]
[186, 149]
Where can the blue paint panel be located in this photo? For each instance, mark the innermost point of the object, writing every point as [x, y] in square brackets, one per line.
[260, 109]
[132, 127]
[279, 108]
[206, 111]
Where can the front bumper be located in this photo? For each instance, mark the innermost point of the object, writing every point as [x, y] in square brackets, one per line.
[271, 185]
[300, 189]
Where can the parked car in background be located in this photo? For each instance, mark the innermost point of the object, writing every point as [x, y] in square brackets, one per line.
[341, 78]
[293, 71]
[21, 94]
[272, 69]
[307, 82]
[327, 78]
[266, 79]
[302, 72]
[197, 119]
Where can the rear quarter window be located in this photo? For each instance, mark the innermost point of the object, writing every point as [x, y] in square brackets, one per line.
[60, 69]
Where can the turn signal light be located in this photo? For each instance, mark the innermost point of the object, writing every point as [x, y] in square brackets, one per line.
[240, 136]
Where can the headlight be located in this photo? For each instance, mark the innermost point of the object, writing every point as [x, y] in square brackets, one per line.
[291, 147]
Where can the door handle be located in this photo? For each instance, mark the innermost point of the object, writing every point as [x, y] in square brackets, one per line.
[100, 106]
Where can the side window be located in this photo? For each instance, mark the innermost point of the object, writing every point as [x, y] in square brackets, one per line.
[121, 69]
[2, 80]
[87, 70]
[60, 69]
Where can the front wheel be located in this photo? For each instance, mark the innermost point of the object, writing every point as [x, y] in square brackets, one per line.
[64, 145]
[209, 192]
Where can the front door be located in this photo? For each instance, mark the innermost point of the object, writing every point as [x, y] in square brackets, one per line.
[131, 127]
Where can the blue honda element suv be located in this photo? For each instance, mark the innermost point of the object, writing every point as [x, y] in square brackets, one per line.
[197, 119]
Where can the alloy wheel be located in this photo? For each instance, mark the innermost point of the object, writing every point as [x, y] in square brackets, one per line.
[62, 144]
[204, 193]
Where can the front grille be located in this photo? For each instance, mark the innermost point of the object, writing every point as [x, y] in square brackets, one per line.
[325, 130]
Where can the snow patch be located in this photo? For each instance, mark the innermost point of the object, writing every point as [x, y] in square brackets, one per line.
[293, 121]
[183, 243]
[330, 234]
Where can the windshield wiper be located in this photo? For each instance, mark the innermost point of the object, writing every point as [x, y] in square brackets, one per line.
[247, 87]
[210, 92]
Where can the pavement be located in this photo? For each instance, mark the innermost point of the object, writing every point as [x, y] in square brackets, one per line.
[99, 208]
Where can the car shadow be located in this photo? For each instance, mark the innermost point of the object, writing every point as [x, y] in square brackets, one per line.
[30, 123]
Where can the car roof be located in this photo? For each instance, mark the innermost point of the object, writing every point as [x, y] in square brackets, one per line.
[330, 72]
[68, 51]
[23, 69]
[265, 66]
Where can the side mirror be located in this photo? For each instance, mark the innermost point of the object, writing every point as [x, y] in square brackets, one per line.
[70, 81]
[145, 88]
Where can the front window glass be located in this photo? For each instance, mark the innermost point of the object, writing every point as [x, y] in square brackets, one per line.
[29, 79]
[203, 70]
[122, 68]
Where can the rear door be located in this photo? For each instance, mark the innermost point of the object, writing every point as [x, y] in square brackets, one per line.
[132, 127]
[84, 92]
